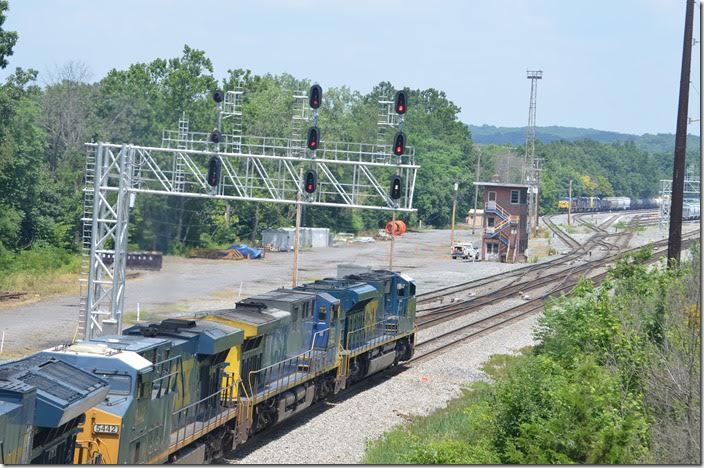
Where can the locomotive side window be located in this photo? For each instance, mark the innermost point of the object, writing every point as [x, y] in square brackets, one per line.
[322, 314]
[400, 288]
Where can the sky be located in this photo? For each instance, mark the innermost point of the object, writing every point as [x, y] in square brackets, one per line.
[608, 64]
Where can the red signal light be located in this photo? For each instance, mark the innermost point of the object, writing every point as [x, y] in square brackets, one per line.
[311, 181]
[400, 101]
[313, 138]
[399, 144]
[315, 95]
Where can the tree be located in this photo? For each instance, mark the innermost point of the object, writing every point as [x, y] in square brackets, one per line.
[8, 39]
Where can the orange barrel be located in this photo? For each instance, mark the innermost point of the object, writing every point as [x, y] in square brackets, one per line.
[396, 228]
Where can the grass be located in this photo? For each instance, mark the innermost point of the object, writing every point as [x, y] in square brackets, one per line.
[441, 437]
[543, 232]
[436, 438]
[39, 272]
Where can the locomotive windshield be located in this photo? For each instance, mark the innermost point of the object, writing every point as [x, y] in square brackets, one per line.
[119, 384]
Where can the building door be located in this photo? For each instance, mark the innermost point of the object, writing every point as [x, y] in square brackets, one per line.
[491, 202]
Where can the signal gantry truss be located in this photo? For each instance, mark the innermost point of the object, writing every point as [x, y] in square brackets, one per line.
[691, 192]
[258, 169]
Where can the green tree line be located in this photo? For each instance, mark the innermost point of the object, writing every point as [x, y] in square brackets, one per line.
[43, 131]
[45, 128]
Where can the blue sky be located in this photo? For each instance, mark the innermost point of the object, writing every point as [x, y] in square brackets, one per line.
[608, 64]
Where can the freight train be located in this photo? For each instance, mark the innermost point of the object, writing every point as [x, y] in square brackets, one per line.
[190, 389]
[592, 204]
[691, 208]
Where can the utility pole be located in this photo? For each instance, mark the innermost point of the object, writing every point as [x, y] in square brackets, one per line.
[393, 236]
[569, 207]
[454, 208]
[476, 191]
[537, 199]
[674, 246]
[297, 234]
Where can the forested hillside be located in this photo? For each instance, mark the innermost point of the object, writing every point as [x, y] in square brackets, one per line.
[43, 131]
[659, 143]
[45, 122]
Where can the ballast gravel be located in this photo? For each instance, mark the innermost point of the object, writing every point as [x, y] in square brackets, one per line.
[337, 432]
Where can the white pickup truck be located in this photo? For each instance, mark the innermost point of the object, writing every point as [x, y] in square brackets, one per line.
[465, 250]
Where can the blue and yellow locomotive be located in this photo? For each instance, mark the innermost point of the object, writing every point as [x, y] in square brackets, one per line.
[188, 390]
[43, 401]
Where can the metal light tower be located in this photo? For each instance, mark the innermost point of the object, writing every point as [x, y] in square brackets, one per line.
[532, 165]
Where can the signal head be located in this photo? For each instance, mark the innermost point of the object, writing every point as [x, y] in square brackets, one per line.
[395, 192]
[313, 139]
[400, 102]
[213, 171]
[310, 181]
[399, 143]
[215, 136]
[315, 96]
[218, 95]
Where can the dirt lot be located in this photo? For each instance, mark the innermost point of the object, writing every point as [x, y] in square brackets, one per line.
[189, 285]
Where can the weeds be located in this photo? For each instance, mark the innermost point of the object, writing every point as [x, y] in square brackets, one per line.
[614, 379]
[41, 270]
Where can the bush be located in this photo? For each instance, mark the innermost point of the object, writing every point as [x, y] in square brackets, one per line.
[26, 268]
[615, 378]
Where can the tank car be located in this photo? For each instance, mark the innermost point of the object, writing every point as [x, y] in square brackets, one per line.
[644, 203]
[42, 409]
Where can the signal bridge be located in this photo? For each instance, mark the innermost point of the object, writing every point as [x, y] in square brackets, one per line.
[229, 167]
[260, 169]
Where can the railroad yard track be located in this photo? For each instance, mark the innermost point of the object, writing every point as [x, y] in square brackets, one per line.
[426, 300]
[442, 313]
[448, 339]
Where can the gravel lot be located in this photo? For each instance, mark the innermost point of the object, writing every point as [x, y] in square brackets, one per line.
[189, 285]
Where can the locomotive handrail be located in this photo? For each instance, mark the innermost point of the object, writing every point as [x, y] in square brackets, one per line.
[200, 416]
[290, 371]
[386, 333]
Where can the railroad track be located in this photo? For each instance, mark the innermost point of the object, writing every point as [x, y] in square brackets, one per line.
[566, 238]
[439, 343]
[438, 295]
[443, 313]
